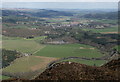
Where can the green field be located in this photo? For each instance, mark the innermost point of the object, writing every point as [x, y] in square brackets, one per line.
[117, 47]
[58, 51]
[87, 62]
[22, 45]
[68, 50]
[107, 21]
[19, 38]
[55, 20]
[44, 54]
[2, 77]
[111, 29]
[19, 26]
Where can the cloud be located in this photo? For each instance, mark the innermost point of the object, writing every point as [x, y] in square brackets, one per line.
[60, 0]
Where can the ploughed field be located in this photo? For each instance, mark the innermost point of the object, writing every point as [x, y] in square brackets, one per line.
[43, 54]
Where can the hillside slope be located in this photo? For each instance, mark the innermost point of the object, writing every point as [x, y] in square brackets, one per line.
[76, 71]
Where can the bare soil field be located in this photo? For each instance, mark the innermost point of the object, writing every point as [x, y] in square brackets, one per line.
[27, 67]
[43, 64]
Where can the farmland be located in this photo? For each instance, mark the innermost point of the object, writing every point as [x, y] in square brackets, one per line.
[44, 36]
[60, 51]
[22, 45]
[105, 30]
[2, 77]
[106, 21]
[28, 64]
[117, 47]
[43, 54]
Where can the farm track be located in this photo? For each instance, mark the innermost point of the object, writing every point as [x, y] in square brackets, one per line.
[37, 50]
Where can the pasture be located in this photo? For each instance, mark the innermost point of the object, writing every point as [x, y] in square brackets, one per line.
[20, 26]
[107, 21]
[87, 62]
[22, 45]
[44, 54]
[117, 47]
[67, 50]
[105, 30]
[2, 77]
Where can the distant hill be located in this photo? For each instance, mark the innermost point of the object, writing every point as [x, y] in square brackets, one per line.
[51, 13]
[38, 13]
[108, 15]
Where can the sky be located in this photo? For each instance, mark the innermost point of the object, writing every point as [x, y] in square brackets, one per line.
[61, 4]
[60, 0]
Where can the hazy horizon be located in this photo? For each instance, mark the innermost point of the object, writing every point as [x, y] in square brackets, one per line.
[61, 5]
